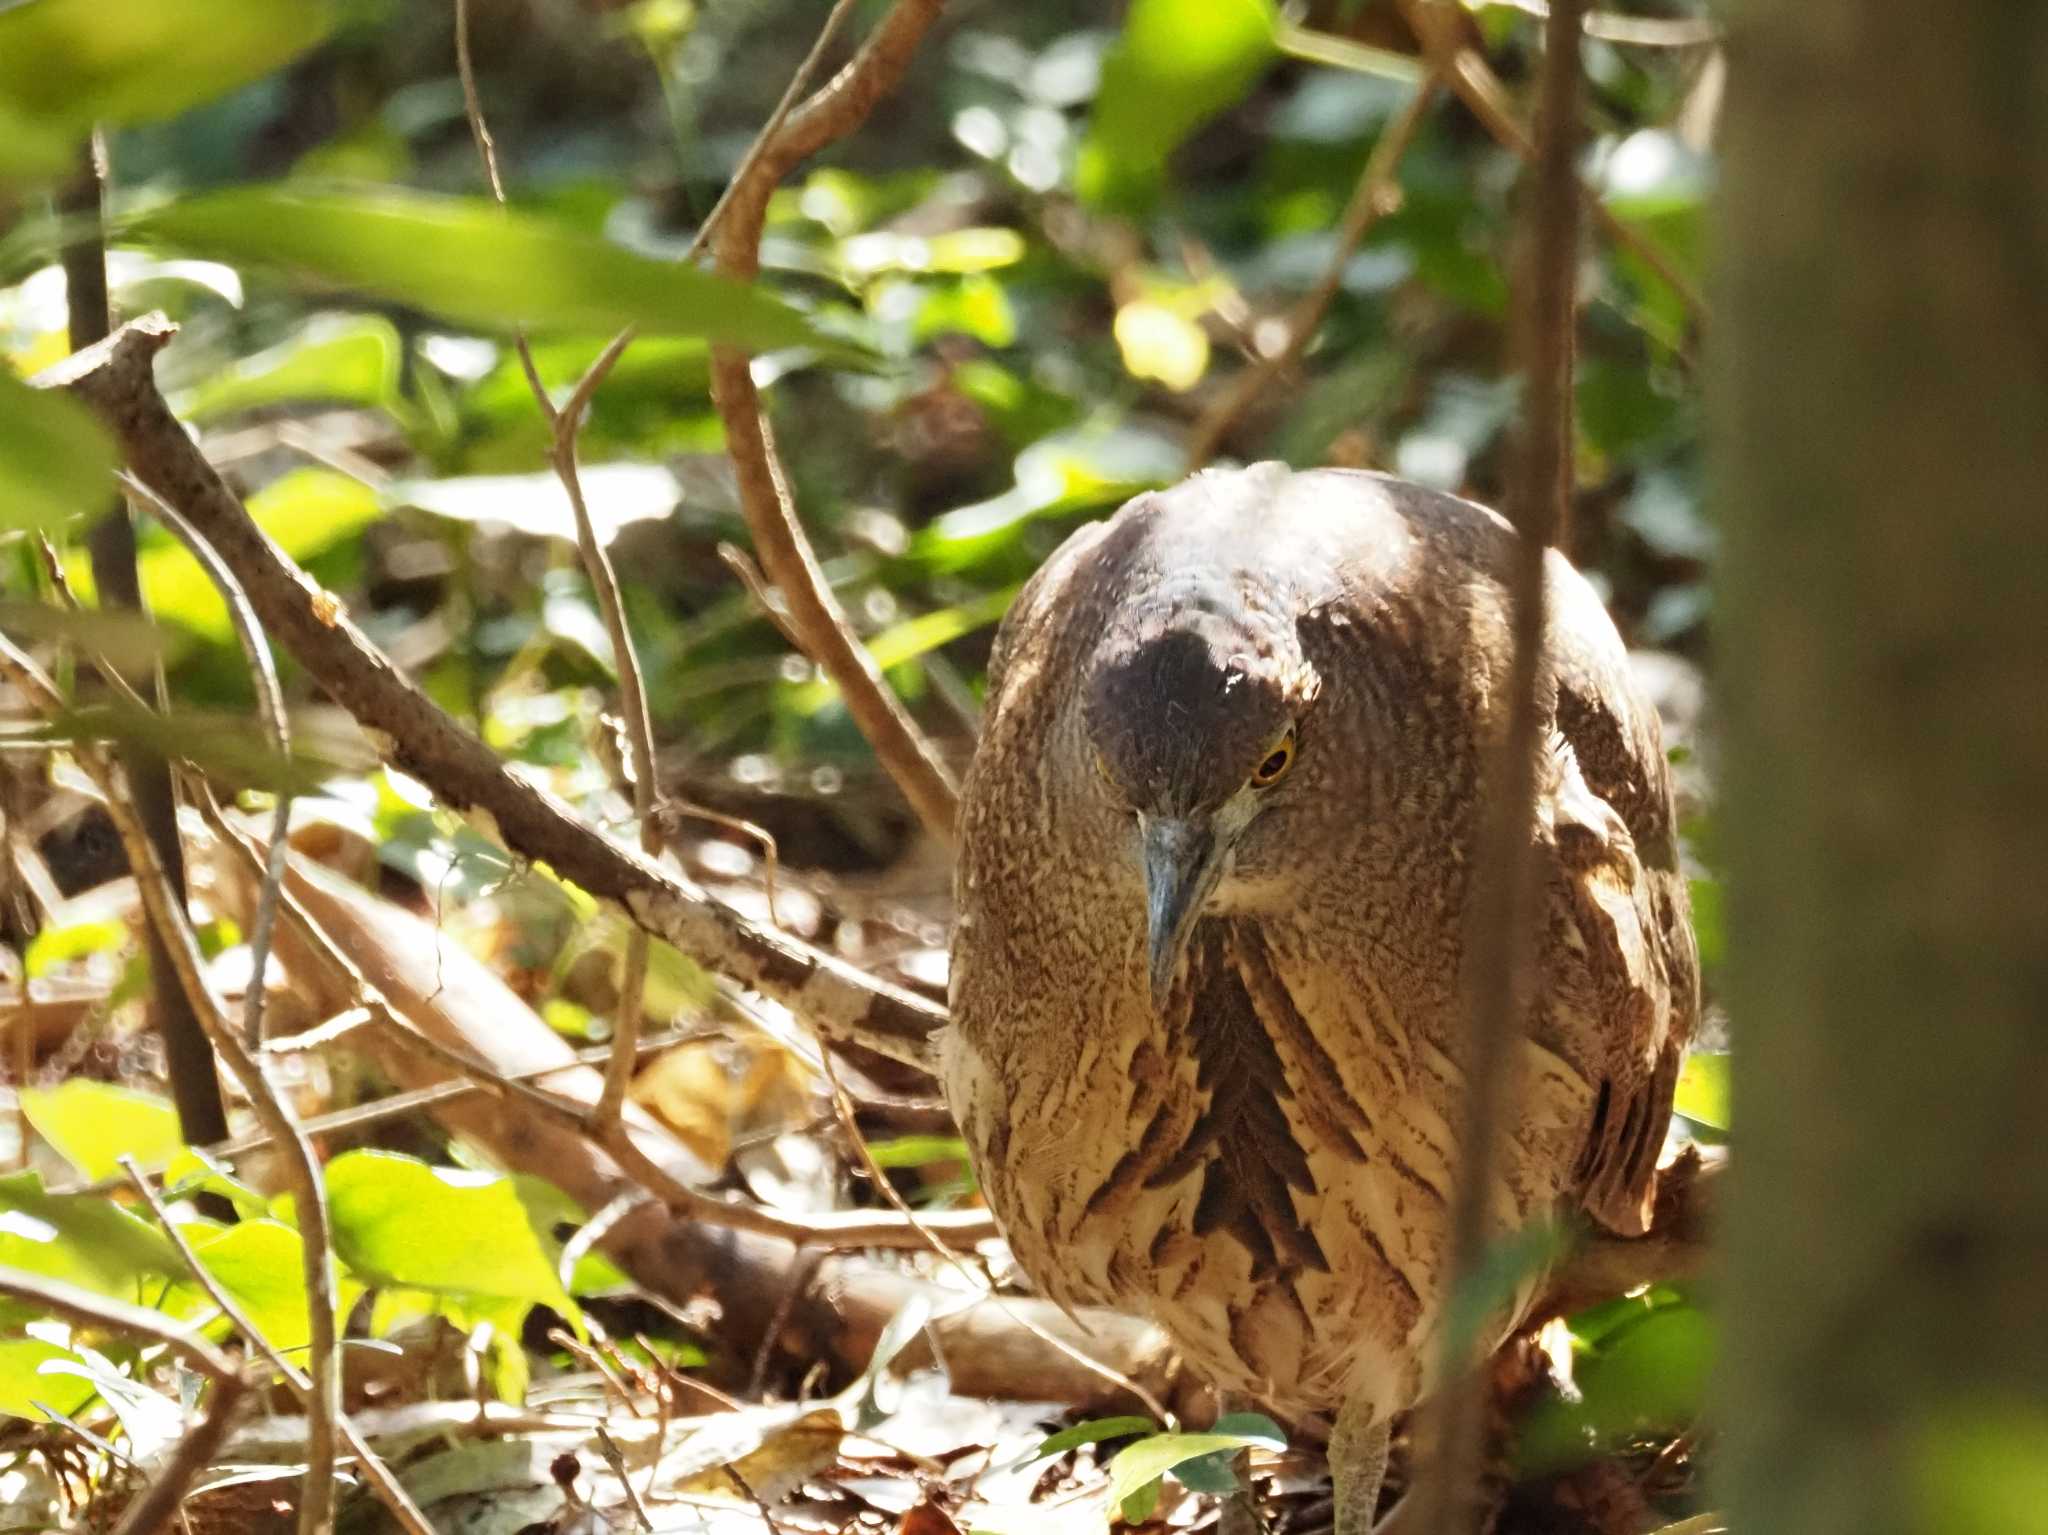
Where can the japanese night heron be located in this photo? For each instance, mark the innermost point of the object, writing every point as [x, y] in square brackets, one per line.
[1215, 846]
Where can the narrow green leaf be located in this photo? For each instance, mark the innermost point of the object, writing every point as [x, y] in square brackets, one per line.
[472, 262]
[1094, 1431]
[93, 1124]
[918, 1150]
[55, 462]
[72, 63]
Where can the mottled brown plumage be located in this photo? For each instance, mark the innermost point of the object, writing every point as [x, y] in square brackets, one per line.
[1244, 1128]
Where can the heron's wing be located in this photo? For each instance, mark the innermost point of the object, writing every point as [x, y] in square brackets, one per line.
[1630, 993]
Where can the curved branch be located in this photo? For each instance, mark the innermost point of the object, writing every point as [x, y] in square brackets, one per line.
[785, 551]
[114, 378]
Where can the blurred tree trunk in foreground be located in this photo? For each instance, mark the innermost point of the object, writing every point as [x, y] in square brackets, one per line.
[1881, 424]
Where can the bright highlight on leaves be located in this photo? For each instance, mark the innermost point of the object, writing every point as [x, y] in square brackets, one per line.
[1160, 344]
[1703, 1089]
[472, 262]
[398, 1221]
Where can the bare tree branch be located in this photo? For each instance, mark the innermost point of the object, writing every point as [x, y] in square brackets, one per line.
[1502, 901]
[784, 549]
[465, 774]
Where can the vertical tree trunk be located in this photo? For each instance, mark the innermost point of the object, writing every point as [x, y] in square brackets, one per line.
[1881, 400]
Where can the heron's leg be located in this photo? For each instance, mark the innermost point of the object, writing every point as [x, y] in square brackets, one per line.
[1358, 1463]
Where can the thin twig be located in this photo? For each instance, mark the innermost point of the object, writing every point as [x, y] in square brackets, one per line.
[784, 548]
[194, 1083]
[167, 915]
[1502, 898]
[1377, 194]
[791, 94]
[276, 725]
[833, 997]
[604, 582]
[383, 1484]
[618, 1138]
[162, 1494]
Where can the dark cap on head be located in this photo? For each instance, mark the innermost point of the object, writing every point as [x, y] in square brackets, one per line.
[1189, 693]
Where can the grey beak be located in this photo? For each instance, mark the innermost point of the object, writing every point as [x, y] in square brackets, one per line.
[1181, 869]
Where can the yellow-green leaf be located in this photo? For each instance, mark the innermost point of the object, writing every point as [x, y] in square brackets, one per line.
[93, 1124]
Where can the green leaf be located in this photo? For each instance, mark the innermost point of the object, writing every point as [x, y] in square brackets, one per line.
[337, 359]
[1178, 63]
[1141, 1503]
[92, 1124]
[231, 745]
[55, 461]
[918, 1150]
[85, 1239]
[1703, 1089]
[473, 262]
[72, 63]
[261, 1263]
[57, 946]
[23, 1383]
[398, 1221]
[1094, 1431]
[1709, 922]
[1149, 1459]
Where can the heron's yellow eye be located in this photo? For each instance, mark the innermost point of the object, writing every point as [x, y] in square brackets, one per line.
[1277, 762]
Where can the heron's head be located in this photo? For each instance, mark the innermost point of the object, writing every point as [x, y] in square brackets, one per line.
[1195, 715]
